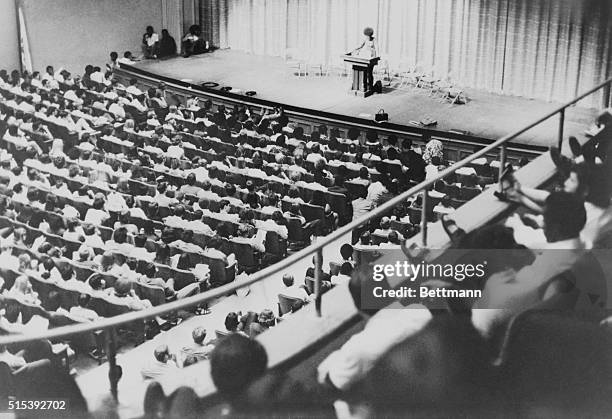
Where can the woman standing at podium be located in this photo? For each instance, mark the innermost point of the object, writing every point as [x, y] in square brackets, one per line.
[368, 47]
[367, 50]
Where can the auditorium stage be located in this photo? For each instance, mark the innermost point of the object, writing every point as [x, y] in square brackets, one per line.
[486, 115]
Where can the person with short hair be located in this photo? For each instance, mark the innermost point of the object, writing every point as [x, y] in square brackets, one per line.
[82, 309]
[384, 329]
[167, 45]
[163, 363]
[198, 349]
[122, 293]
[150, 43]
[193, 43]
[293, 290]
[236, 362]
[512, 292]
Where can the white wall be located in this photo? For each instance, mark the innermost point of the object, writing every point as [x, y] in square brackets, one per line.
[73, 33]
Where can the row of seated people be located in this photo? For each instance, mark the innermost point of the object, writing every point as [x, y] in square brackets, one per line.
[266, 130]
[292, 297]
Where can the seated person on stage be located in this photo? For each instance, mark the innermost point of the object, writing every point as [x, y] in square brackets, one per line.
[167, 45]
[150, 43]
[193, 42]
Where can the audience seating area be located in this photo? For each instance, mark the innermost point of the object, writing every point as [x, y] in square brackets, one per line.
[113, 199]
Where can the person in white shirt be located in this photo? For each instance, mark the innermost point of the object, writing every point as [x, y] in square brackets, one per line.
[116, 109]
[176, 150]
[164, 363]
[126, 59]
[384, 329]
[292, 290]
[139, 251]
[256, 242]
[96, 214]
[97, 75]
[133, 89]
[82, 309]
[377, 189]
[150, 43]
[139, 103]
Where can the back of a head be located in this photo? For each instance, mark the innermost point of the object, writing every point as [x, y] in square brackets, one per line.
[84, 300]
[198, 334]
[295, 208]
[288, 280]
[235, 363]
[140, 240]
[564, 217]
[53, 301]
[161, 352]
[231, 321]
[122, 286]
[346, 251]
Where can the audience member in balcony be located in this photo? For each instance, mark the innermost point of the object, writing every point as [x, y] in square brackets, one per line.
[384, 329]
[163, 363]
[236, 362]
[293, 290]
[514, 292]
[344, 276]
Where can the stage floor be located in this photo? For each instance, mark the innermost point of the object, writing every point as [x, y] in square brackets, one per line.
[487, 115]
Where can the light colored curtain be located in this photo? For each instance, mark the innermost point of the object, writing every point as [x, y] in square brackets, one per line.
[172, 19]
[547, 49]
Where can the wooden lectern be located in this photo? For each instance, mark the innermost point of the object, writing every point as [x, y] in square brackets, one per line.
[363, 77]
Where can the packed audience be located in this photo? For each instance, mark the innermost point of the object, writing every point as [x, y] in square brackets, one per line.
[113, 199]
[520, 347]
